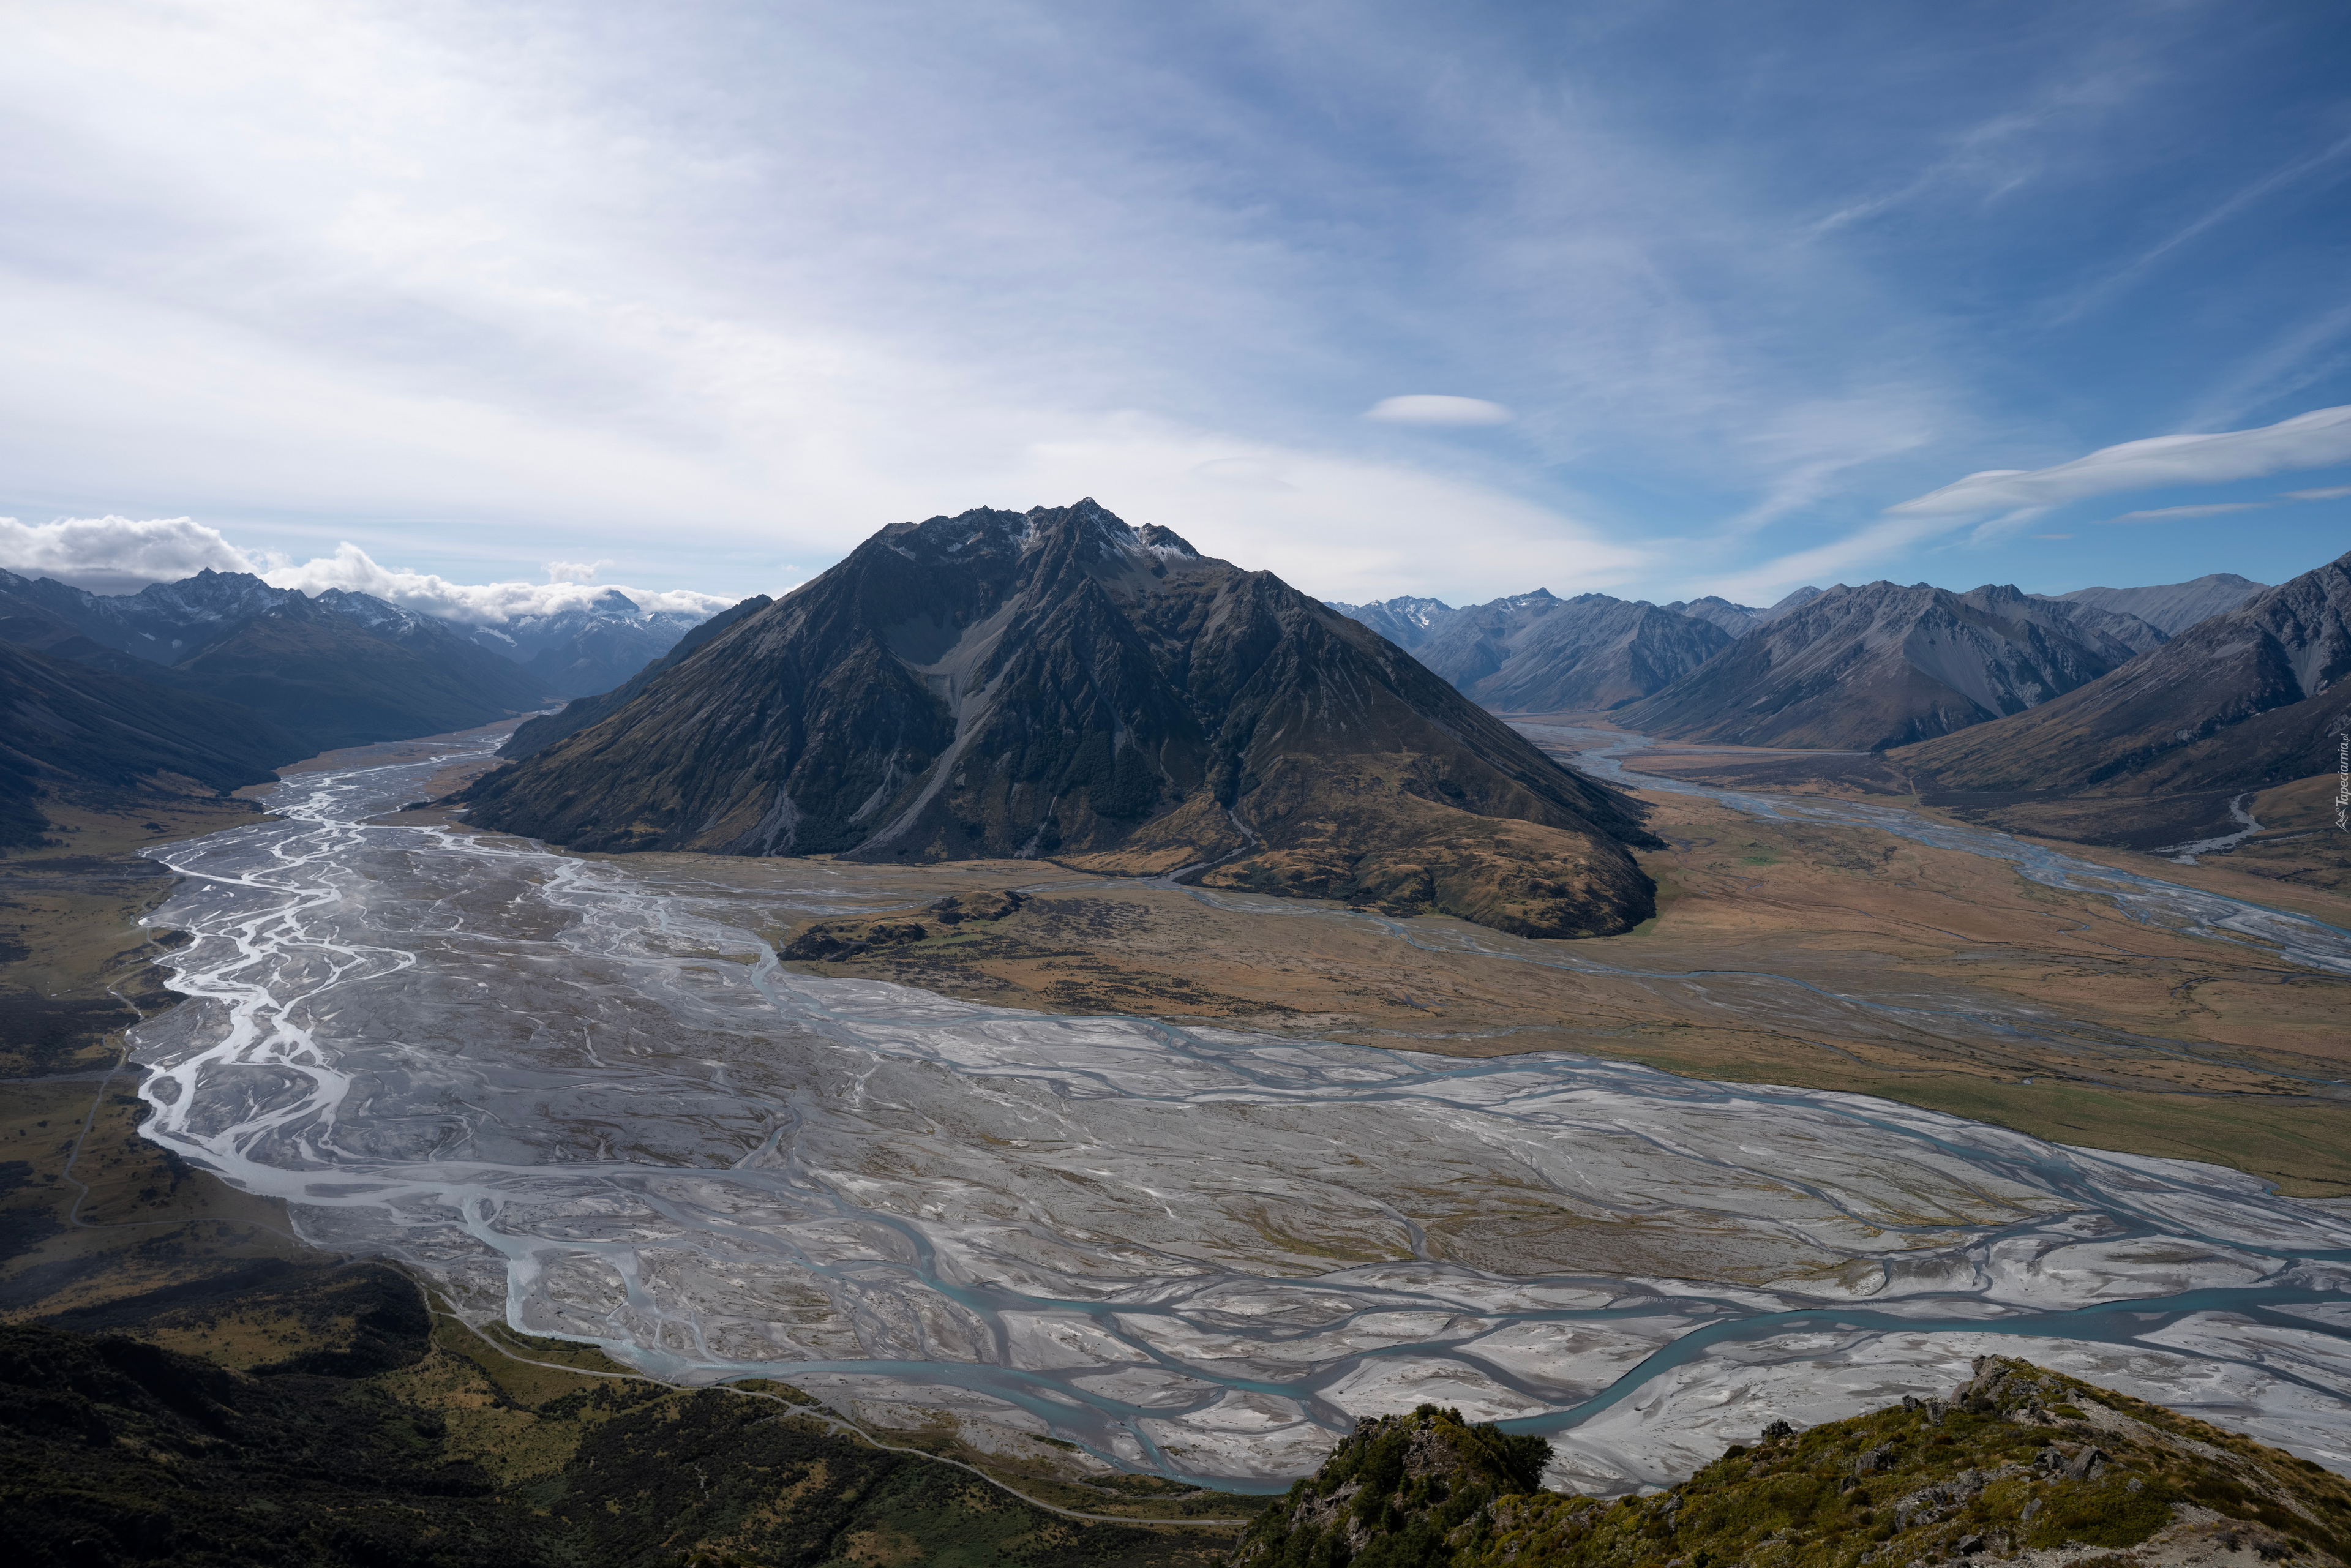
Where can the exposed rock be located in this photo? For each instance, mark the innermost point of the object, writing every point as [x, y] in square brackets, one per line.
[2241, 701]
[1057, 684]
[1875, 666]
[2156, 1489]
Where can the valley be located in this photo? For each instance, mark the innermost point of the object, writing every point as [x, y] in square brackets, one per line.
[585, 1097]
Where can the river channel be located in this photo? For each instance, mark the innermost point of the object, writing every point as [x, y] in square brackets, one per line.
[585, 1098]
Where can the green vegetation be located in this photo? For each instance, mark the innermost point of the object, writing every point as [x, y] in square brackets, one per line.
[2020, 1459]
[386, 1434]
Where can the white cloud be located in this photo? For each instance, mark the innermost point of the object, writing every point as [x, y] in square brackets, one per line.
[574, 571]
[352, 569]
[2319, 439]
[116, 555]
[2331, 492]
[2174, 514]
[1436, 408]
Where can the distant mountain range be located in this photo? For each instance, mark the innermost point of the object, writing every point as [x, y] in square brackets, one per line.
[2175, 606]
[1865, 668]
[538, 734]
[1536, 654]
[1844, 668]
[337, 670]
[592, 648]
[220, 677]
[2249, 698]
[1058, 683]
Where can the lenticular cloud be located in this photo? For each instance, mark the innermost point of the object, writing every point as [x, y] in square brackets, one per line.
[2319, 439]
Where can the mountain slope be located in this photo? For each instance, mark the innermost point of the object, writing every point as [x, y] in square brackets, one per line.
[2174, 606]
[1869, 667]
[1058, 683]
[1407, 622]
[2020, 1464]
[2241, 701]
[337, 670]
[64, 725]
[1536, 654]
[538, 734]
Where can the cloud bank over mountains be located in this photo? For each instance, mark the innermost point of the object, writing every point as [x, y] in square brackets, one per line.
[120, 555]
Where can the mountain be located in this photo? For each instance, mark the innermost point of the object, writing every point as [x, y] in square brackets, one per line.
[1536, 654]
[2174, 606]
[2019, 1464]
[1740, 619]
[2241, 701]
[538, 734]
[72, 726]
[1407, 622]
[337, 670]
[1870, 668]
[591, 648]
[1059, 683]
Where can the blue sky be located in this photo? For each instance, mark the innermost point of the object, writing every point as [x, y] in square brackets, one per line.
[696, 296]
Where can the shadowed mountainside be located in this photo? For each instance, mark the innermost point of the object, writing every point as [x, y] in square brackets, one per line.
[1870, 668]
[1060, 684]
[2243, 700]
[71, 727]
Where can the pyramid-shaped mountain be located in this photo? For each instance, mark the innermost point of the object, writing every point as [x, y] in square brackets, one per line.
[1057, 684]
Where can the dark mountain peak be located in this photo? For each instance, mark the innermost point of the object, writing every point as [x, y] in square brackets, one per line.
[612, 601]
[1166, 541]
[217, 596]
[1056, 683]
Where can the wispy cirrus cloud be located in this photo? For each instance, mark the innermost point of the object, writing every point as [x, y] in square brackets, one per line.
[2319, 439]
[2180, 514]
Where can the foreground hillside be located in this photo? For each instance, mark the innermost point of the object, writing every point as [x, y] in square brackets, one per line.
[334, 1420]
[1059, 685]
[2020, 1464]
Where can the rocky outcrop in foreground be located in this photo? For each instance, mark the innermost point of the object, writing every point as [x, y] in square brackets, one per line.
[2021, 1464]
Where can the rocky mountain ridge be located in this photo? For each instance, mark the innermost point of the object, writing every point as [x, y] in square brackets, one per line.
[1058, 683]
[1881, 664]
[2241, 701]
[1542, 654]
[2172, 607]
[2020, 1464]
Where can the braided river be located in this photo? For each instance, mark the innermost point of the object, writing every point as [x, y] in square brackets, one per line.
[583, 1097]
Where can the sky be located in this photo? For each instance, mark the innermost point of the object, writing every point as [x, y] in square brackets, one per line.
[1657, 299]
